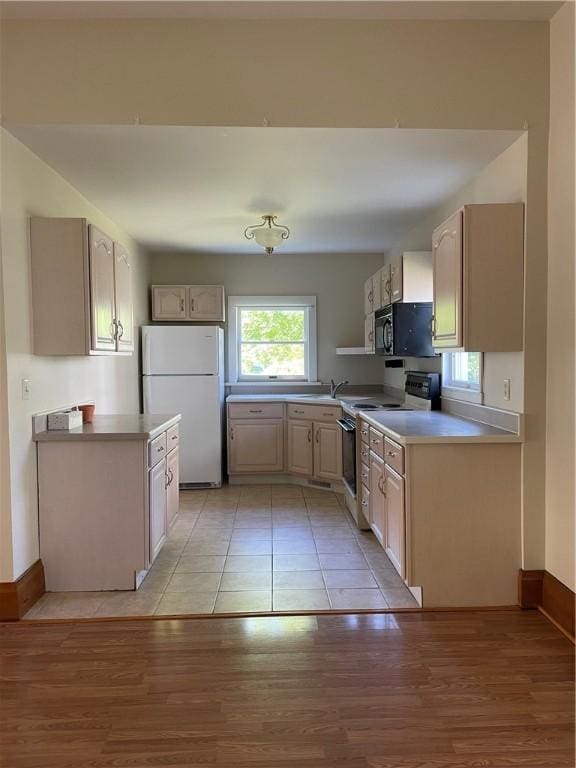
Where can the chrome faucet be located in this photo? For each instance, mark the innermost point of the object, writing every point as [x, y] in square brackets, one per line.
[335, 387]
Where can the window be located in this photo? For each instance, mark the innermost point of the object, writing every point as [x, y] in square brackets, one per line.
[462, 375]
[272, 338]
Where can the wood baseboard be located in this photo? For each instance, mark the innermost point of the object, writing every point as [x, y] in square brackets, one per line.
[539, 589]
[17, 597]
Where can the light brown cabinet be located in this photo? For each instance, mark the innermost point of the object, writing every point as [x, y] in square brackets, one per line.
[157, 491]
[369, 296]
[81, 289]
[478, 278]
[377, 518]
[394, 519]
[105, 506]
[255, 445]
[327, 451]
[300, 450]
[188, 303]
[169, 302]
[172, 486]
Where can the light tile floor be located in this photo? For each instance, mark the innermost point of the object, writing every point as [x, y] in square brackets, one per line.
[251, 549]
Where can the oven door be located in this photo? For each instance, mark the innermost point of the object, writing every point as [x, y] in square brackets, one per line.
[348, 427]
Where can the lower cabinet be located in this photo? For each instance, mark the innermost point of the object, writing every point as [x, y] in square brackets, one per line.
[258, 434]
[158, 499]
[377, 518]
[327, 451]
[300, 451]
[395, 517]
[172, 487]
[255, 445]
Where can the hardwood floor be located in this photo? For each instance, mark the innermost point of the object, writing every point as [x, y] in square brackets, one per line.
[413, 690]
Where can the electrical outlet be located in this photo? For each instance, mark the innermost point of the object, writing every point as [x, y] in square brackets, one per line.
[506, 389]
[26, 389]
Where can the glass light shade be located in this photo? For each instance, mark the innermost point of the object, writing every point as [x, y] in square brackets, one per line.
[268, 237]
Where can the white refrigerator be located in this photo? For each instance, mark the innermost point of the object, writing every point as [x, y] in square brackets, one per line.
[183, 372]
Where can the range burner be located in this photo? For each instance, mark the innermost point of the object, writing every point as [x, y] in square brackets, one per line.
[366, 406]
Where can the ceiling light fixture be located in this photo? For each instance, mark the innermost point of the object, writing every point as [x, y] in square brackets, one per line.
[268, 234]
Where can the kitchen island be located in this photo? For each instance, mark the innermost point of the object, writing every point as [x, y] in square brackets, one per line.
[108, 494]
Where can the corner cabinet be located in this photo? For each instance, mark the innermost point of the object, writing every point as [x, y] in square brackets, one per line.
[81, 290]
[478, 279]
[301, 440]
[193, 303]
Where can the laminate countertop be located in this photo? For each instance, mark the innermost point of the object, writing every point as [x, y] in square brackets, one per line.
[405, 427]
[137, 426]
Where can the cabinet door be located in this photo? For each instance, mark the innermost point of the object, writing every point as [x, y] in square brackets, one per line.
[206, 302]
[377, 499]
[327, 451]
[255, 445]
[169, 302]
[300, 453]
[157, 477]
[369, 333]
[377, 298]
[173, 490]
[368, 297]
[447, 283]
[123, 299]
[396, 292]
[102, 300]
[386, 296]
[395, 535]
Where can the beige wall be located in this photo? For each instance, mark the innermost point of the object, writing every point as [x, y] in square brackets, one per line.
[30, 187]
[337, 280]
[504, 180]
[560, 468]
[423, 74]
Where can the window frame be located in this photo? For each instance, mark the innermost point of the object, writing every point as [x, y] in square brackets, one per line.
[457, 389]
[237, 303]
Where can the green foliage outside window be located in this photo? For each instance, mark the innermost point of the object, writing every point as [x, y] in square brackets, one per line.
[272, 342]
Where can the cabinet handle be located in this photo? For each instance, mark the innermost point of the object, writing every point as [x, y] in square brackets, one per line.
[433, 326]
[371, 336]
[327, 414]
[192, 304]
[121, 327]
[363, 431]
[255, 410]
[381, 486]
[174, 437]
[364, 503]
[160, 448]
[231, 433]
[364, 475]
[310, 435]
[318, 436]
[113, 330]
[297, 411]
[167, 476]
[182, 305]
[375, 440]
[390, 453]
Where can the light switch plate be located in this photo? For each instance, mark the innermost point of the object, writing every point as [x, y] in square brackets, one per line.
[26, 386]
[506, 389]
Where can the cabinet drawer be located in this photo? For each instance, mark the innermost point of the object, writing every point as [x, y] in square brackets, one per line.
[156, 450]
[256, 410]
[364, 432]
[394, 455]
[314, 412]
[364, 453]
[377, 442]
[172, 438]
[365, 501]
[365, 474]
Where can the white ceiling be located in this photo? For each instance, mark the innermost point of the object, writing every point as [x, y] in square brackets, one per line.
[519, 10]
[197, 189]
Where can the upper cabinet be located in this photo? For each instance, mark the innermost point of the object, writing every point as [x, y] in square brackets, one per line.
[405, 277]
[478, 279]
[188, 302]
[81, 290]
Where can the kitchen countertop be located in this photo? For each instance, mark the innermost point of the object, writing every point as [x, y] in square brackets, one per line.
[138, 426]
[405, 427]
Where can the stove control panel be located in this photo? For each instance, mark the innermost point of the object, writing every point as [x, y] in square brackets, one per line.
[423, 389]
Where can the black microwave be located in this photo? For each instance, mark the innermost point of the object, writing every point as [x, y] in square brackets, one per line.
[404, 330]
